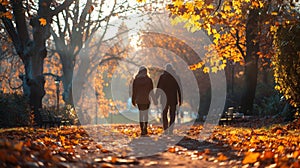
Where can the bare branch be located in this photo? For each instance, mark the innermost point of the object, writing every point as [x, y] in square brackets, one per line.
[11, 31]
[61, 7]
[238, 44]
[218, 7]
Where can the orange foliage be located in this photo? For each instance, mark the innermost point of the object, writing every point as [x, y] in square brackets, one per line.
[226, 25]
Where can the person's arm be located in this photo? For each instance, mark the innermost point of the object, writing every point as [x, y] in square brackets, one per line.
[133, 93]
[152, 93]
[159, 86]
[179, 90]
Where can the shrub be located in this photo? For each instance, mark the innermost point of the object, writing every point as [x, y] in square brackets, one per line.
[14, 111]
[286, 63]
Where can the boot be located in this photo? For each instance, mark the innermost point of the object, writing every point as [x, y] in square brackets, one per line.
[142, 128]
[145, 128]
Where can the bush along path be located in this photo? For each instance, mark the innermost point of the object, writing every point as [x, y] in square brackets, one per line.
[227, 146]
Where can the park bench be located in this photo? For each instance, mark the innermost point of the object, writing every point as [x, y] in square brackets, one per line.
[231, 116]
[51, 120]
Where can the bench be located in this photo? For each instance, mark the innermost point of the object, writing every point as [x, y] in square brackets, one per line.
[230, 116]
[50, 120]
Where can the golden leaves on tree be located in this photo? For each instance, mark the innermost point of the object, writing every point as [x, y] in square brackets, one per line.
[286, 63]
[4, 2]
[43, 21]
[226, 27]
[7, 15]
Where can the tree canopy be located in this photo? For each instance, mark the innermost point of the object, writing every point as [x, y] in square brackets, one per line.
[226, 23]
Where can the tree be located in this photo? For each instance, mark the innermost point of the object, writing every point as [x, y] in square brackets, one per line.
[75, 26]
[29, 40]
[241, 31]
[286, 63]
[10, 65]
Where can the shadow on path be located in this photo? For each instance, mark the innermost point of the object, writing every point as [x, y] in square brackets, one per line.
[148, 146]
[209, 148]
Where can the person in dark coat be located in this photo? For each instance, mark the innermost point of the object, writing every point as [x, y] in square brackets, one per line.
[170, 84]
[141, 91]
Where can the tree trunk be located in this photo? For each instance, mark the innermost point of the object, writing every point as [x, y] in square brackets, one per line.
[251, 63]
[33, 84]
[32, 51]
[34, 66]
[68, 68]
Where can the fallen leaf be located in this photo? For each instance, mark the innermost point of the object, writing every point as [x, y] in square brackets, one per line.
[19, 146]
[107, 165]
[280, 149]
[78, 136]
[104, 151]
[207, 151]
[267, 155]
[99, 146]
[222, 157]
[84, 147]
[296, 164]
[250, 157]
[172, 149]
[12, 159]
[296, 154]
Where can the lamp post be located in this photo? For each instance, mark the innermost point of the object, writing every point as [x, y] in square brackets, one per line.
[57, 80]
[232, 77]
[111, 114]
[97, 94]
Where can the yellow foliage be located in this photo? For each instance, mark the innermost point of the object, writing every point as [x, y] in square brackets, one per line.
[178, 3]
[206, 70]
[255, 4]
[286, 65]
[176, 20]
[261, 4]
[214, 69]
[210, 6]
[4, 2]
[7, 15]
[273, 28]
[222, 67]
[227, 8]
[225, 27]
[189, 6]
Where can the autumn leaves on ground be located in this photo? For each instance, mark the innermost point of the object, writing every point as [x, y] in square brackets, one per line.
[227, 146]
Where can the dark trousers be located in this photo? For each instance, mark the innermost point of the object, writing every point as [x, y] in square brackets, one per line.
[171, 108]
[143, 108]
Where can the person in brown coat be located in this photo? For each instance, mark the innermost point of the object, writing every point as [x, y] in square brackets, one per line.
[141, 91]
[170, 84]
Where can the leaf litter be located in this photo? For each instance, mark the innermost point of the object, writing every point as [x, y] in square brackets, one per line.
[71, 146]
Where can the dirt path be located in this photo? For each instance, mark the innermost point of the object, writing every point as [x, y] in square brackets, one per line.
[122, 146]
[187, 152]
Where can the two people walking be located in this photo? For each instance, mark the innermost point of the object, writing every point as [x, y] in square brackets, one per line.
[170, 96]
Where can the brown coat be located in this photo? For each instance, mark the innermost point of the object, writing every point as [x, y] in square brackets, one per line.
[141, 88]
